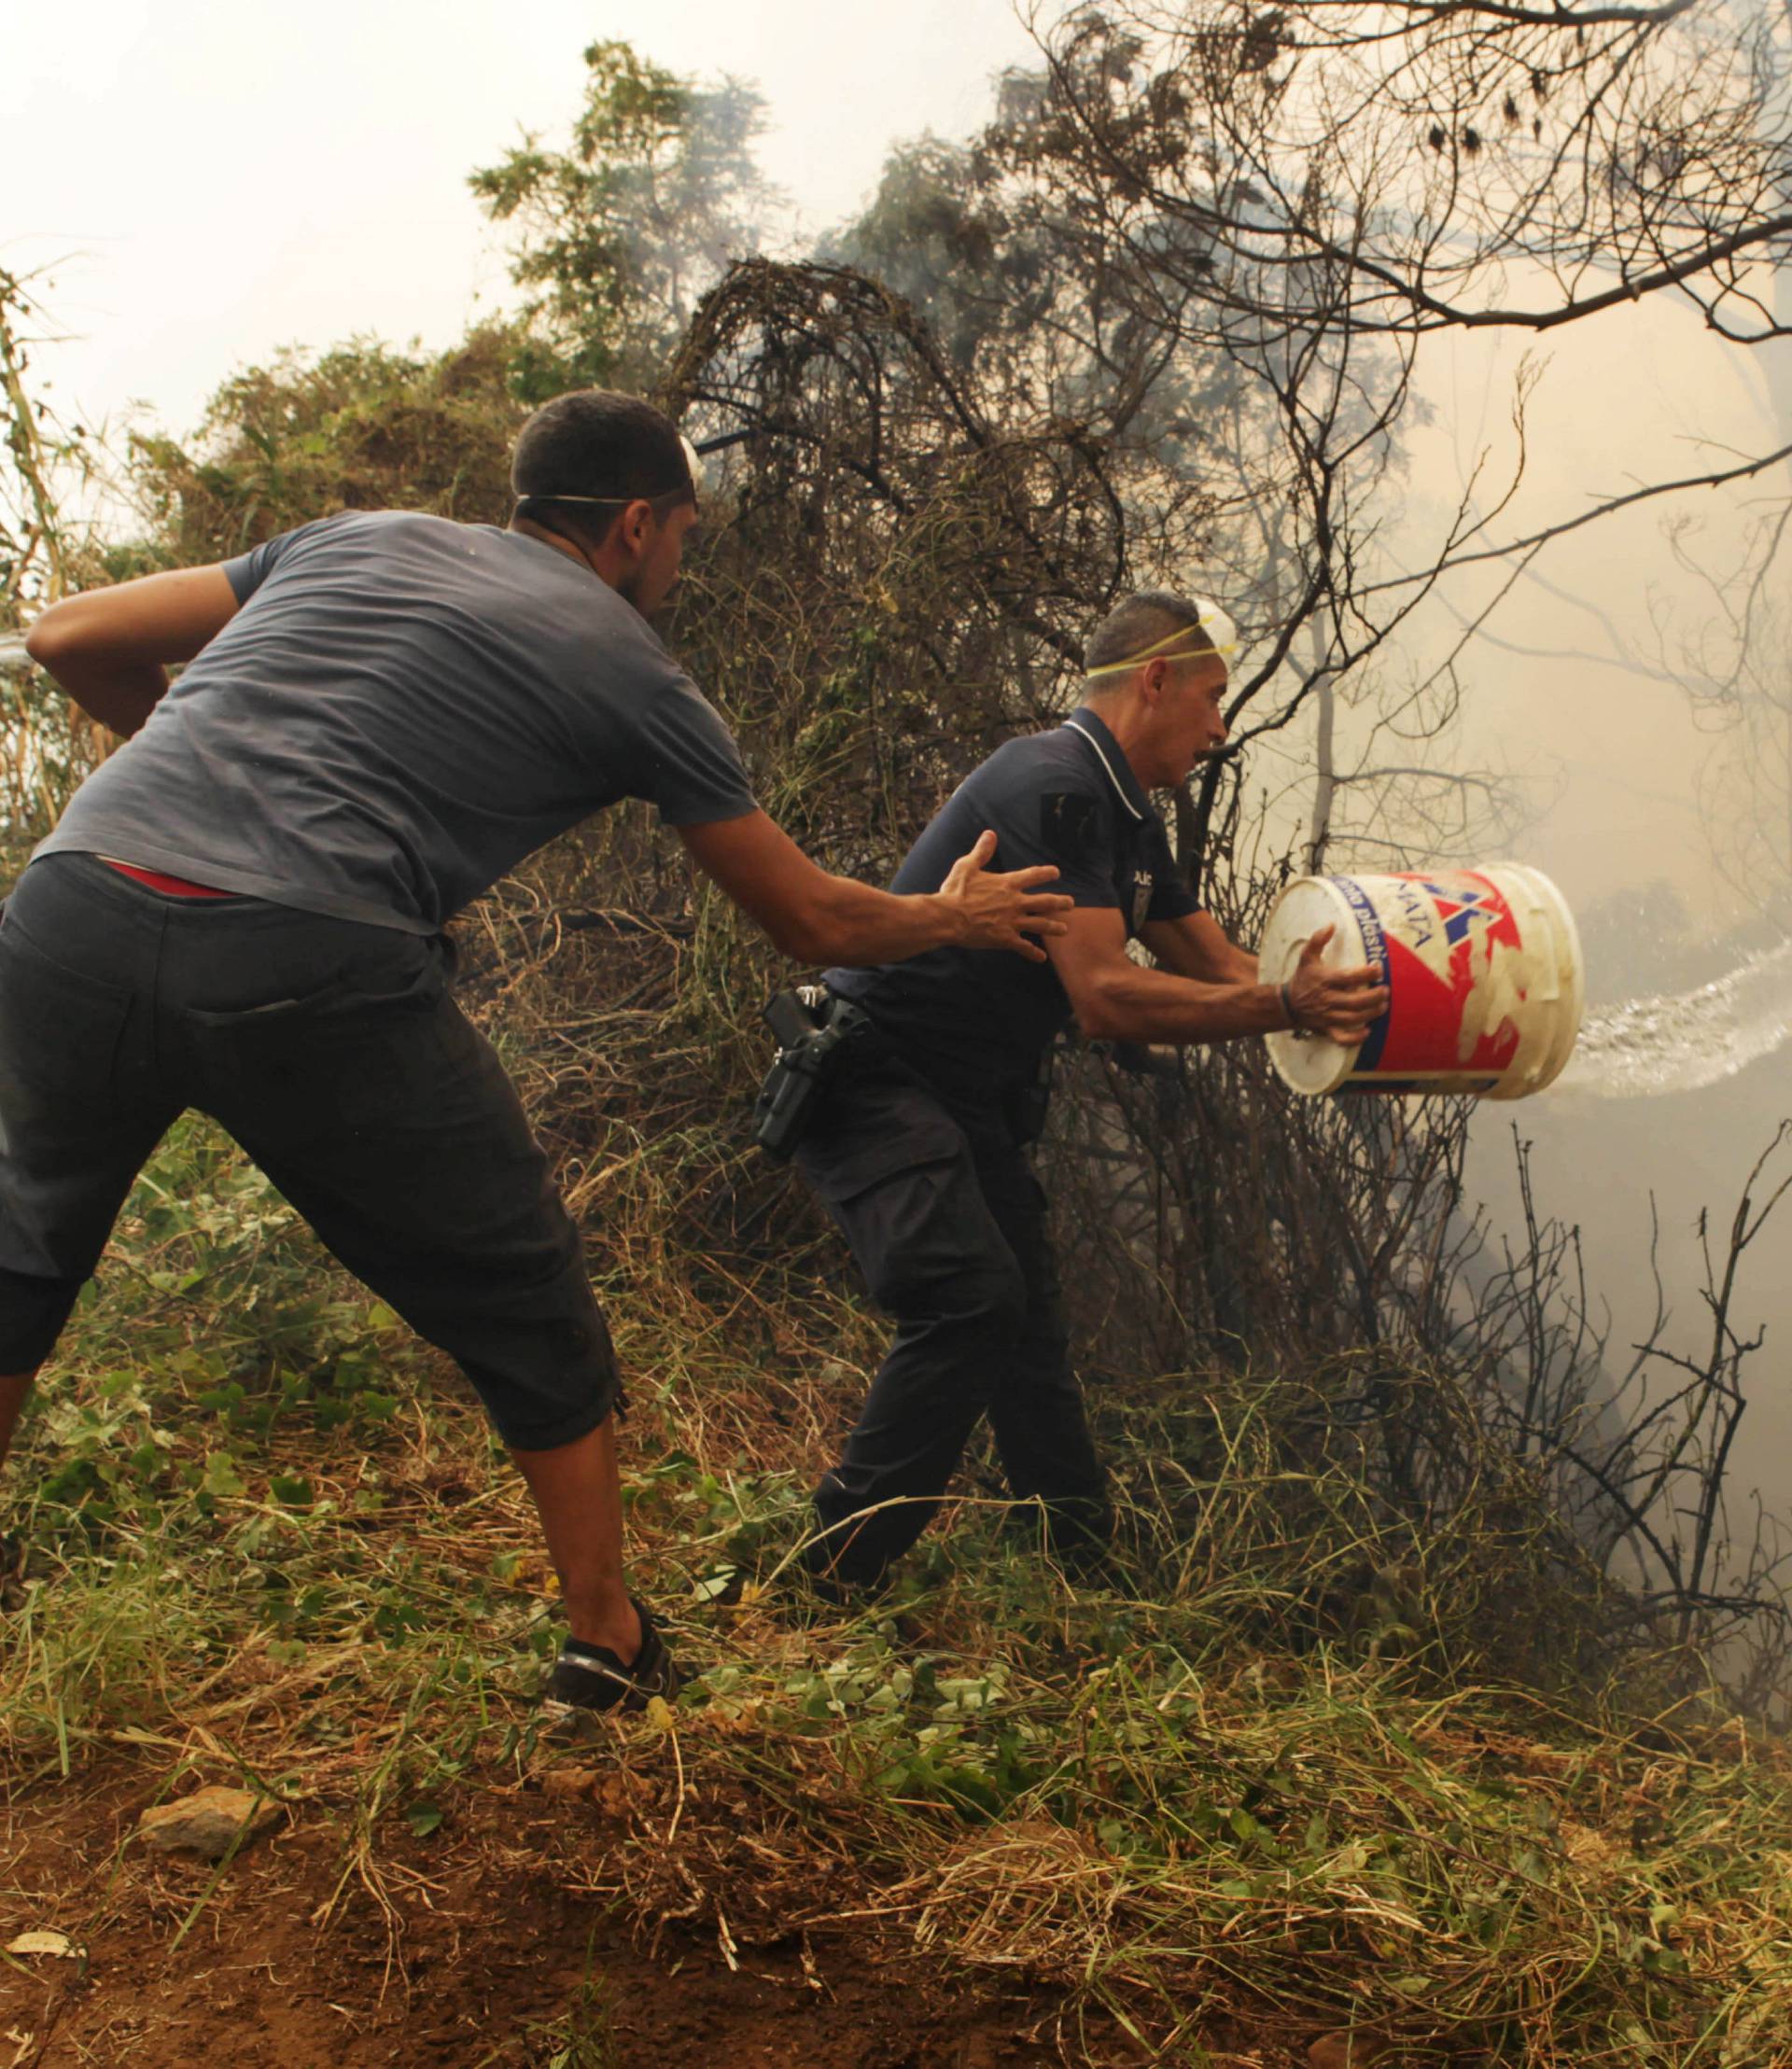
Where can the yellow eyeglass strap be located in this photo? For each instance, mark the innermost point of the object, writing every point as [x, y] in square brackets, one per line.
[1210, 619]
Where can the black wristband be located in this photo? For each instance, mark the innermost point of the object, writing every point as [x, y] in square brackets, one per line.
[1288, 1010]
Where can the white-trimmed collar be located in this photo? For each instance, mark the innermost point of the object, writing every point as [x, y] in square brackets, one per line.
[1101, 755]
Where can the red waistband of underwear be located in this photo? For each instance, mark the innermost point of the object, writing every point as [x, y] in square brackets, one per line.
[176, 886]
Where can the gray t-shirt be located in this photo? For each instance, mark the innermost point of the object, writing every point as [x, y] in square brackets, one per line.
[401, 710]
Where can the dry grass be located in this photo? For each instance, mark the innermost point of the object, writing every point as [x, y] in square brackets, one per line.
[1277, 1777]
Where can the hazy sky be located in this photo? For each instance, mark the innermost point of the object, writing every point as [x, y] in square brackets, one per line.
[230, 178]
[1636, 395]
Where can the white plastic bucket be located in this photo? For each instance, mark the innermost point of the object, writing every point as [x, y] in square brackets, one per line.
[1484, 969]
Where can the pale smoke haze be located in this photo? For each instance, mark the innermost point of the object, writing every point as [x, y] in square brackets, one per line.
[1686, 1041]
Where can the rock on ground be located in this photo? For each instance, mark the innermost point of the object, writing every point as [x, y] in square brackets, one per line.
[206, 1823]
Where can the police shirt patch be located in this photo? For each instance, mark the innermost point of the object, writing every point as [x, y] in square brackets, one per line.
[1142, 889]
[1070, 825]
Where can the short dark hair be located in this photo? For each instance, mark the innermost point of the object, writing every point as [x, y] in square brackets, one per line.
[596, 444]
[1136, 622]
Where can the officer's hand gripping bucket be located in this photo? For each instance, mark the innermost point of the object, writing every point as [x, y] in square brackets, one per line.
[1483, 965]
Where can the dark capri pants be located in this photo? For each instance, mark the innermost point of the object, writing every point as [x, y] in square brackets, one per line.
[334, 1053]
[933, 1190]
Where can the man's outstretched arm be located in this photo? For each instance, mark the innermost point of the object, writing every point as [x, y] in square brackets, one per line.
[1117, 999]
[110, 647]
[818, 918]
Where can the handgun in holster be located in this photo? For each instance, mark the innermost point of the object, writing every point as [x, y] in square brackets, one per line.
[811, 1027]
[1024, 1106]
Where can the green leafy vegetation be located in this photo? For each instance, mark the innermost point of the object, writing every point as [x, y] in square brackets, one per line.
[618, 232]
[1278, 1767]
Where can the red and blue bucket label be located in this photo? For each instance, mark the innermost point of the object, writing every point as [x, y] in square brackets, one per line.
[1430, 938]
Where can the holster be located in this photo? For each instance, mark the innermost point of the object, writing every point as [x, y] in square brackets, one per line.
[812, 1026]
[1024, 1107]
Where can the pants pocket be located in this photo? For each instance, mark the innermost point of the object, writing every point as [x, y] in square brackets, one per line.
[345, 1050]
[869, 1131]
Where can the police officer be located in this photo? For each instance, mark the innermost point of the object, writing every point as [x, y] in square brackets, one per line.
[242, 911]
[917, 1143]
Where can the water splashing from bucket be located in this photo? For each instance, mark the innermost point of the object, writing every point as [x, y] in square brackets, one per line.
[1641, 1047]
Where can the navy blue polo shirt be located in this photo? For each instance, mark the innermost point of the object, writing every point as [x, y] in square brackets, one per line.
[1066, 797]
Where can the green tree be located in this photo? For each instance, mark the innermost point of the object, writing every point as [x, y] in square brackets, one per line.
[618, 235]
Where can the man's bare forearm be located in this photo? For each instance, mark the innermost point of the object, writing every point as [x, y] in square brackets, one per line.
[853, 923]
[110, 648]
[819, 918]
[1151, 1005]
[119, 695]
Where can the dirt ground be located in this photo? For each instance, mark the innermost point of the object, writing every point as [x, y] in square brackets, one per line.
[470, 1953]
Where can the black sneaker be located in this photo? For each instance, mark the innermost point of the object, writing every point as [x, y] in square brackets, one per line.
[817, 1585]
[589, 1679]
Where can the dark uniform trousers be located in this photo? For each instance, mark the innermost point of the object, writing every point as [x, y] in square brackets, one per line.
[933, 1191]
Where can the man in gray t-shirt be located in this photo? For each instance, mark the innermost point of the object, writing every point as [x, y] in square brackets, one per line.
[241, 911]
[408, 709]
